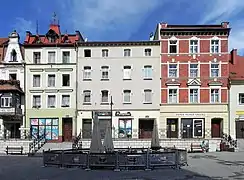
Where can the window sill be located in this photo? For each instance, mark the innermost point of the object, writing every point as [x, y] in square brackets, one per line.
[172, 54]
[104, 103]
[104, 79]
[51, 107]
[127, 103]
[127, 79]
[147, 102]
[37, 107]
[87, 79]
[147, 78]
[65, 106]
[86, 103]
[65, 86]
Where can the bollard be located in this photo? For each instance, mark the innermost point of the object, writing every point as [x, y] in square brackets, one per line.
[147, 160]
[88, 162]
[62, 160]
[177, 159]
[43, 159]
[117, 162]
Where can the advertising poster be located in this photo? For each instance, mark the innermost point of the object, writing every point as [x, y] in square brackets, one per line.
[48, 132]
[42, 122]
[48, 122]
[41, 130]
[55, 122]
[125, 128]
[55, 132]
[34, 122]
[34, 132]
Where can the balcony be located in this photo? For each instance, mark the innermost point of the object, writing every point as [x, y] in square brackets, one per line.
[10, 111]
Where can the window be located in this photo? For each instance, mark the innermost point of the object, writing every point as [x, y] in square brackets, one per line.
[127, 72]
[173, 46]
[87, 96]
[241, 98]
[214, 70]
[65, 101]
[194, 95]
[215, 96]
[87, 53]
[37, 57]
[105, 53]
[13, 56]
[193, 70]
[66, 80]
[51, 80]
[173, 70]
[87, 73]
[36, 81]
[147, 96]
[51, 39]
[172, 96]
[215, 46]
[148, 52]
[51, 57]
[148, 72]
[13, 76]
[193, 46]
[36, 101]
[127, 96]
[66, 57]
[127, 52]
[51, 101]
[105, 70]
[6, 101]
[105, 96]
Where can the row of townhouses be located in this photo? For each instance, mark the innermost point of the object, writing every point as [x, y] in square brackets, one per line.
[183, 77]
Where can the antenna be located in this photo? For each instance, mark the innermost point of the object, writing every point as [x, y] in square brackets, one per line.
[37, 27]
[55, 18]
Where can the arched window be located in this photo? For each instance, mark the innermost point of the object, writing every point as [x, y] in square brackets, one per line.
[13, 55]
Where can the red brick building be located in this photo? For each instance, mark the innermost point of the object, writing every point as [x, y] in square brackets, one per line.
[194, 79]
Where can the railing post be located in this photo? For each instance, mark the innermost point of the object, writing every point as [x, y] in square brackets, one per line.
[62, 160]
[43, 158]
[88, 162]
[176, 159]
[148, 160]
[117, 162]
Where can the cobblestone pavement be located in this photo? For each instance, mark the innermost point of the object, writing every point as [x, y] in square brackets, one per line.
[201, 167]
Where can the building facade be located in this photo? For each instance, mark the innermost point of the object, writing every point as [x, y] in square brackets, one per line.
[51, 83]
[11, 87]
[194, 85]
[236, 95]
[120, 81]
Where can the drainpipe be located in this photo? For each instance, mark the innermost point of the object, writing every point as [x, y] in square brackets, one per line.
[25, 108]
[76, 88]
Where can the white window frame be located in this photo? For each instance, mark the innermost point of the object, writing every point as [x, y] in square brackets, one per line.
[124, 72]
[145, 72]
[10, 104]
[105, 52]
[194, 45]
[54, 80]
[105, 69]
[239, 102]
[40, 56]
[33, 75]
[86, 102]
[189, 94]
[193, 128]
[55, 59]
[148, 52]
[127, 52]
[55, 103]
[62, 75]
[144, 96]
[63, 106]
[130, 92]
[177, 70]
[215, 39]
[85, 71]
[198, 70]
[173, 38]
[33, 105]
[69, 56]
[219, 68]
[104, 102]
[210, 94]
[177, 94]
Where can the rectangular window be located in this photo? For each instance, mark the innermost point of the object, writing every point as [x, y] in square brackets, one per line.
[51, 80]
[148, 72]
[214, 46]
[127, 96]
[214, 70]
[6, 101]
[104, 96]
[13, 76]
[127, 52]
[125, 128]
[87, 53]
[215, 96]
[173, 46]
[87, 96]
[173, 70]
[105, 53]
[105, 72]
[87, 73]
[241, 98]
[147, 96]
[127, 72]
[194, 95]
[37, 80]
[193, 46]
[65, 101]
[65, 80]
[51, 57]
[193, 70]
[36, 57]
[173, 96]
[148, 52]
[36, 101]
[51, 101]
[66, 57]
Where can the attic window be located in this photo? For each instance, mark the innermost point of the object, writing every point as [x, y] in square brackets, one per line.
[52, 39]
[66, 39]
[13, 55]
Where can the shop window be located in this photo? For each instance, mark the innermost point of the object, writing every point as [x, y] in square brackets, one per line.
[192, 128]
[125, 128]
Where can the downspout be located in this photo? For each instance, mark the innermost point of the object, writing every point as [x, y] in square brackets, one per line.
[76, 88]
[25, 101]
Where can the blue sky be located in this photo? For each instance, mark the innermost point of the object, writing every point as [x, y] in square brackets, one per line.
[120, 19]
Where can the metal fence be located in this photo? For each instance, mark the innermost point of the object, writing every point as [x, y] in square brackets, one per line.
[120, 159]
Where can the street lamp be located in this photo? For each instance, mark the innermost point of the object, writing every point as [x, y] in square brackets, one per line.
[111, 107]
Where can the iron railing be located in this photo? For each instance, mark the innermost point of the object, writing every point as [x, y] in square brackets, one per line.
[37, 143]
[232, 142]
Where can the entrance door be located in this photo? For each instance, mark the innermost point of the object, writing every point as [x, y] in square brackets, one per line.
[240, 129]
[145, 128]
[86, 128]
[172, 128]
[67, 129]
[216, 128]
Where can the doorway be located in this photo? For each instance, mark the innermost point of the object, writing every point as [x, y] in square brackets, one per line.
[67, 129]
[145, 128]
[216, 127]
[86, 128]
[172, 128]
[240, 129]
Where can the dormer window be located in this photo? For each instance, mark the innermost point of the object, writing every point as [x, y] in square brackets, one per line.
[51, 39]
[52, 36]
[13, 55]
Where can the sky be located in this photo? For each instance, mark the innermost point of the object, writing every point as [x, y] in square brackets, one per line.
[111, 20]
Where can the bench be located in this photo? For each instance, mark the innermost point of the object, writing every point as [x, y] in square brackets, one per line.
[196, 147]
[14, 150]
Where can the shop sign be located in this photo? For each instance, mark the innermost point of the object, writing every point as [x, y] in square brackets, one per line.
[118, 113]
[190, 114]
[103, 113]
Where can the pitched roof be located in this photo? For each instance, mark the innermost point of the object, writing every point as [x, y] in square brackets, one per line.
[236, 66]
[10, 85]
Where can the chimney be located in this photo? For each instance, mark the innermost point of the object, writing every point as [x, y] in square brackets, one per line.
[225, 24]
[233, 56]
[27, 36]
[163, 25]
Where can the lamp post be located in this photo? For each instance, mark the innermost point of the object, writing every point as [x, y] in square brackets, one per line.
[111, 111]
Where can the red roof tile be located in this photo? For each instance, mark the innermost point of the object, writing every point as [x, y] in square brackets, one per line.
[10, 85]
[236, 66]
